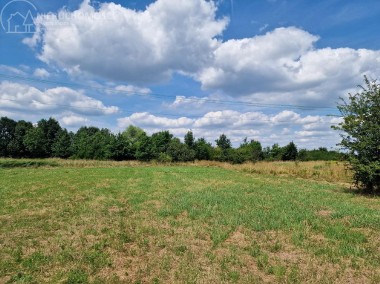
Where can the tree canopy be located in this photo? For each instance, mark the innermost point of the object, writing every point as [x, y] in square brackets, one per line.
[360, 132]
[46, 138]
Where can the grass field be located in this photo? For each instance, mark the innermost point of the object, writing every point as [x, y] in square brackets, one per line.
[104, 222]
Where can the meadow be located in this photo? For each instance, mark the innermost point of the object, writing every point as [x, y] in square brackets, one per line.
[128, 222]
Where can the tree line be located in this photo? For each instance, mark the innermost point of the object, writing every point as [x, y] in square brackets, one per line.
[22, 139]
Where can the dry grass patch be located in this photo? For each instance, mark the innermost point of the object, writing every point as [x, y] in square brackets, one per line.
[182, 224]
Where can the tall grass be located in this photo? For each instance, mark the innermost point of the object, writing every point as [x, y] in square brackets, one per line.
[109, 222]
[315, 170]
[335, 172]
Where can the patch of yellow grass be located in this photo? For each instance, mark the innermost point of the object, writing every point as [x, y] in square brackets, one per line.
[316, 170]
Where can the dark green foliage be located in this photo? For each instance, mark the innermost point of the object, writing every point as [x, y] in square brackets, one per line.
[36, 143]
[189, 140]
[26, 164]
[273, 153]
[16, 147]
[93, 143]
[144, 151]
[7, 132]
[63, 145]
[39, 140]
[251, 151]
[47, 139]
[180, 152]
[320, 154]
[203, 149]
[360, 132]
[160, 142]
[50, 129]
[289, 152]
[120, 148]
[224, 144]
[132, 138]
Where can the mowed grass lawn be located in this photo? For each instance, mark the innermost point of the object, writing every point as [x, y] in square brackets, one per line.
[182, 224]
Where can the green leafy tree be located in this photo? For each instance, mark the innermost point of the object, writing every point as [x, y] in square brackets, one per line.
[7, 132]
[360, 133]
[16, 147]
[224, 144]
[120, 148]
[93, 143]
[50, 129]
[144, 151]
[180, 152]
[132, 137]
[203, 149]
[273, 153]
[289, 152]
[63, 145]
[251, 151]
[160, 142]
[36, 143]
[189, 139]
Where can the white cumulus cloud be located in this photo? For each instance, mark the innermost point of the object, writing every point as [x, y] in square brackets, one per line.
[283, 127]
[129, 90]
[135, 46]
[74, 120]
[285, 66]
[24, 98]
[41, 73]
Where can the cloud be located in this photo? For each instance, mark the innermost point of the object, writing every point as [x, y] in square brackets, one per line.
[41, 73]
[141, 47]
[129, 90]
[283, 127]
[188, 102]
[135, 46]
[285, 66]
[74, 120]
[11, 70]
[21, 98]
[148, 120]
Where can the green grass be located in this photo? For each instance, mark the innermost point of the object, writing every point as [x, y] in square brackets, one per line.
[182, 224]
[11, 163]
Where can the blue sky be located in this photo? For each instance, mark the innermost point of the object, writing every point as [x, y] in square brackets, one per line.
[270, 70]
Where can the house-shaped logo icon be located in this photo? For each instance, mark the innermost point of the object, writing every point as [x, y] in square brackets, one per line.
[17, 17]
[17, 23]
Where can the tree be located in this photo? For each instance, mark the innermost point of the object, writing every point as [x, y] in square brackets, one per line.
[144, 150]
[16, 148]
[7, 132]
[360, 133]
[189, 139]
[160, 142]
[289, 152]
[63, 146]
[224, 144]
[131, 138]
[180, 152]
[273, 153]
[93, 143]
[50, 129]
[251, 151]
[120, 148]
[36, 143]
[203, 149]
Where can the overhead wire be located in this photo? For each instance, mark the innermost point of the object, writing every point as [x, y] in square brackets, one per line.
[182, 98]
[187, 99]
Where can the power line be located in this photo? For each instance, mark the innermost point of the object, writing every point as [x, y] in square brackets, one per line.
[157, 95]
[150, 113]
